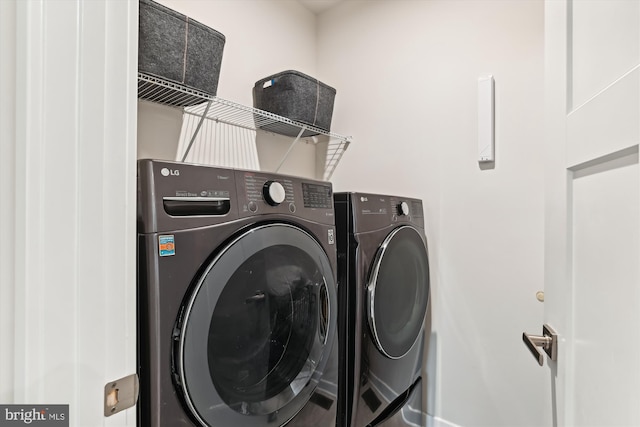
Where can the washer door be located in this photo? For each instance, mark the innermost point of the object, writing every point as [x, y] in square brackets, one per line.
[398, 292]
[257, 330]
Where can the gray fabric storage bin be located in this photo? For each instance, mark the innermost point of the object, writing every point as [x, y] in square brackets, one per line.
[174, 47]
[296, 96]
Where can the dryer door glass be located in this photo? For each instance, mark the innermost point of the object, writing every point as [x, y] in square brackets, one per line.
[398, 292]
[255, 334]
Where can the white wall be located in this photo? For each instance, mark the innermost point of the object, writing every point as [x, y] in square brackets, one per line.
[262, 38]
[406, 77]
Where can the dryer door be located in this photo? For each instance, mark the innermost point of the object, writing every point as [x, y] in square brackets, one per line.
[398, 292]
[256, 333]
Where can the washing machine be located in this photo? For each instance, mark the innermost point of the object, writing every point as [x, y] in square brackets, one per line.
[237, 298]
[383, 271]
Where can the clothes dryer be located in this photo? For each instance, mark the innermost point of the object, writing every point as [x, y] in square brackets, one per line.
[237, 304]
[383, 271]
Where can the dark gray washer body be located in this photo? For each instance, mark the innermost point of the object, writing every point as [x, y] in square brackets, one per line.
[199, 247]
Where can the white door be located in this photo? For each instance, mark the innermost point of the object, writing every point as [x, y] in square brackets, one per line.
[592, 214]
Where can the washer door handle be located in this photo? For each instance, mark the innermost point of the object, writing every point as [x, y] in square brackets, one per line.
[324, 312]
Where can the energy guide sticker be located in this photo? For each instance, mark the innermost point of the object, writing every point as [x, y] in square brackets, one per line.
[167, 245]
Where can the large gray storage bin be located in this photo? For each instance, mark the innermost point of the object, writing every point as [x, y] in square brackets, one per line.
[174, 47]
[298, 97]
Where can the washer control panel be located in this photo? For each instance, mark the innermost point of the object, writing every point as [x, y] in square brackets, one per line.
[256, 189]
[317, 195]
[173, 195]
[266, 193]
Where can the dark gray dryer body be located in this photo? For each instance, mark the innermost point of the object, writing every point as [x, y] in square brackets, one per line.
[383, 271]
[237, 304]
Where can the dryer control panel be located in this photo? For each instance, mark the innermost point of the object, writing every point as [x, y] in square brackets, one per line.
[375, 211]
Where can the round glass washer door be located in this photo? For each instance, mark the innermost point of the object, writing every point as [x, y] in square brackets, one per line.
[258, 329]
[398, 292]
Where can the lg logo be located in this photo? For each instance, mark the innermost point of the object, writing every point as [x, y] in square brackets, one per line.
[167, 172]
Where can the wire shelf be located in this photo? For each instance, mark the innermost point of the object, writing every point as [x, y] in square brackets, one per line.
[200, 105]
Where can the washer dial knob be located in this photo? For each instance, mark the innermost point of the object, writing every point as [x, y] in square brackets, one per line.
[273, 193]
[403, 209]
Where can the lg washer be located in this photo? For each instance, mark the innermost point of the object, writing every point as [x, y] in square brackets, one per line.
[237, 298]
[383, 271]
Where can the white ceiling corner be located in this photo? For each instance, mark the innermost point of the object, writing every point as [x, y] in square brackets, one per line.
[318, 6]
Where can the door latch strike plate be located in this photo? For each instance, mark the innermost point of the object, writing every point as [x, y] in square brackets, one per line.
[120, 394]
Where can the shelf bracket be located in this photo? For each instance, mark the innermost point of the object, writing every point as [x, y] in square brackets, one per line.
[195, 133]
[295, 141]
